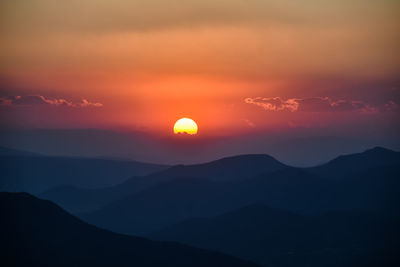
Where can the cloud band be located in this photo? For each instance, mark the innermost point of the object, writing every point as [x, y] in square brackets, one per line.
[318, 104]
[39, 100]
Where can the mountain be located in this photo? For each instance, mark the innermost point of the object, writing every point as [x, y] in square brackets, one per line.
[350, 164]
[375, 190]
[229, 169]
[175, 200]
[310, 151]
[34, 232]
[276, 238]
[157, 206]
[77, 200]
[39, 173]
[295, 147]
[5, 151]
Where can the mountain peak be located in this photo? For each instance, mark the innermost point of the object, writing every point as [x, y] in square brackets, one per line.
[379, 149]
[39, 231]
[248, 156]
[370, 154]
[228, 168]
[371, 158]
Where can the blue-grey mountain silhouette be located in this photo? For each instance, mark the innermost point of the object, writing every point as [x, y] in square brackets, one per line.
[277, 238]
[35, 232]
[297, 190]
[35, 173]
[229, 169]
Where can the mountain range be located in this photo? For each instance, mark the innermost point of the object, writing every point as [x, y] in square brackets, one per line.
[34, 173]
[35, 232]
[277, 238]
[297, 190]
[295, 148]
[229, 169]
[341, 213]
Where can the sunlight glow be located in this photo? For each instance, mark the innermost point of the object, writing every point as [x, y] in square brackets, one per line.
[185, 125]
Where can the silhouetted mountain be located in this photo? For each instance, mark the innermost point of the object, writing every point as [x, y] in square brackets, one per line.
[5, 151]
[290, 189]
[349, 164]
[39, 173]
[76, 199]
[374, 190]
[157, 207]
[310, 151]
[363, 188]
[173, 201]
[227, 169]
[276, 238]
[34, 232]
[295, 147]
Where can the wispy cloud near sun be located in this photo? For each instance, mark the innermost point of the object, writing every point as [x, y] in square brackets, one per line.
[318, 104]
[35, 100]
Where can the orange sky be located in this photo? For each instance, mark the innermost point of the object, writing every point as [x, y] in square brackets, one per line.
[149, 63]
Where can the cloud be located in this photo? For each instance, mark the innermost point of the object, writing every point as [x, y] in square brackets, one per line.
[391, 105]
[318, 104]
[249, 123]
[273, 103]
[86, 103]
[38, 100]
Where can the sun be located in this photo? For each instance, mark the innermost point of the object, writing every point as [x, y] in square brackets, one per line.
[185, 125]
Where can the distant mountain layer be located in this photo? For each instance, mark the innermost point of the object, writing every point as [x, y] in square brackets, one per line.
[76, 199]
[34, 232]
[39, 173]
[229, 169]
[276, 238]
[5, 151]
[295, 148]
[349, 164]
[302, 191]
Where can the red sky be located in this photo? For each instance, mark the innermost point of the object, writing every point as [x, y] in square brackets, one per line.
[232, 66]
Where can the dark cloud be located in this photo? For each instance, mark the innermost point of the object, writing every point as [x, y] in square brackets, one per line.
[318, 104]
[38, 100]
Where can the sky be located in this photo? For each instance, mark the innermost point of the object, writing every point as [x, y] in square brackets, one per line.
[236, 67]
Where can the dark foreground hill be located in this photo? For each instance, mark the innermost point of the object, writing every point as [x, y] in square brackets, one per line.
[276, 238]
[35, 232]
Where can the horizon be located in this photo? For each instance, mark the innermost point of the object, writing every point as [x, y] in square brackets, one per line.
[293, 149]
[33, 153]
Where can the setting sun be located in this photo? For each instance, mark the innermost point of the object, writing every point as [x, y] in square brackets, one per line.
[185, 125]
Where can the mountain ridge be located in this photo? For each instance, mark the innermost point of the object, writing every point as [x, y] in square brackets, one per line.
[36, 174]
[39, 233]
[278, 238]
